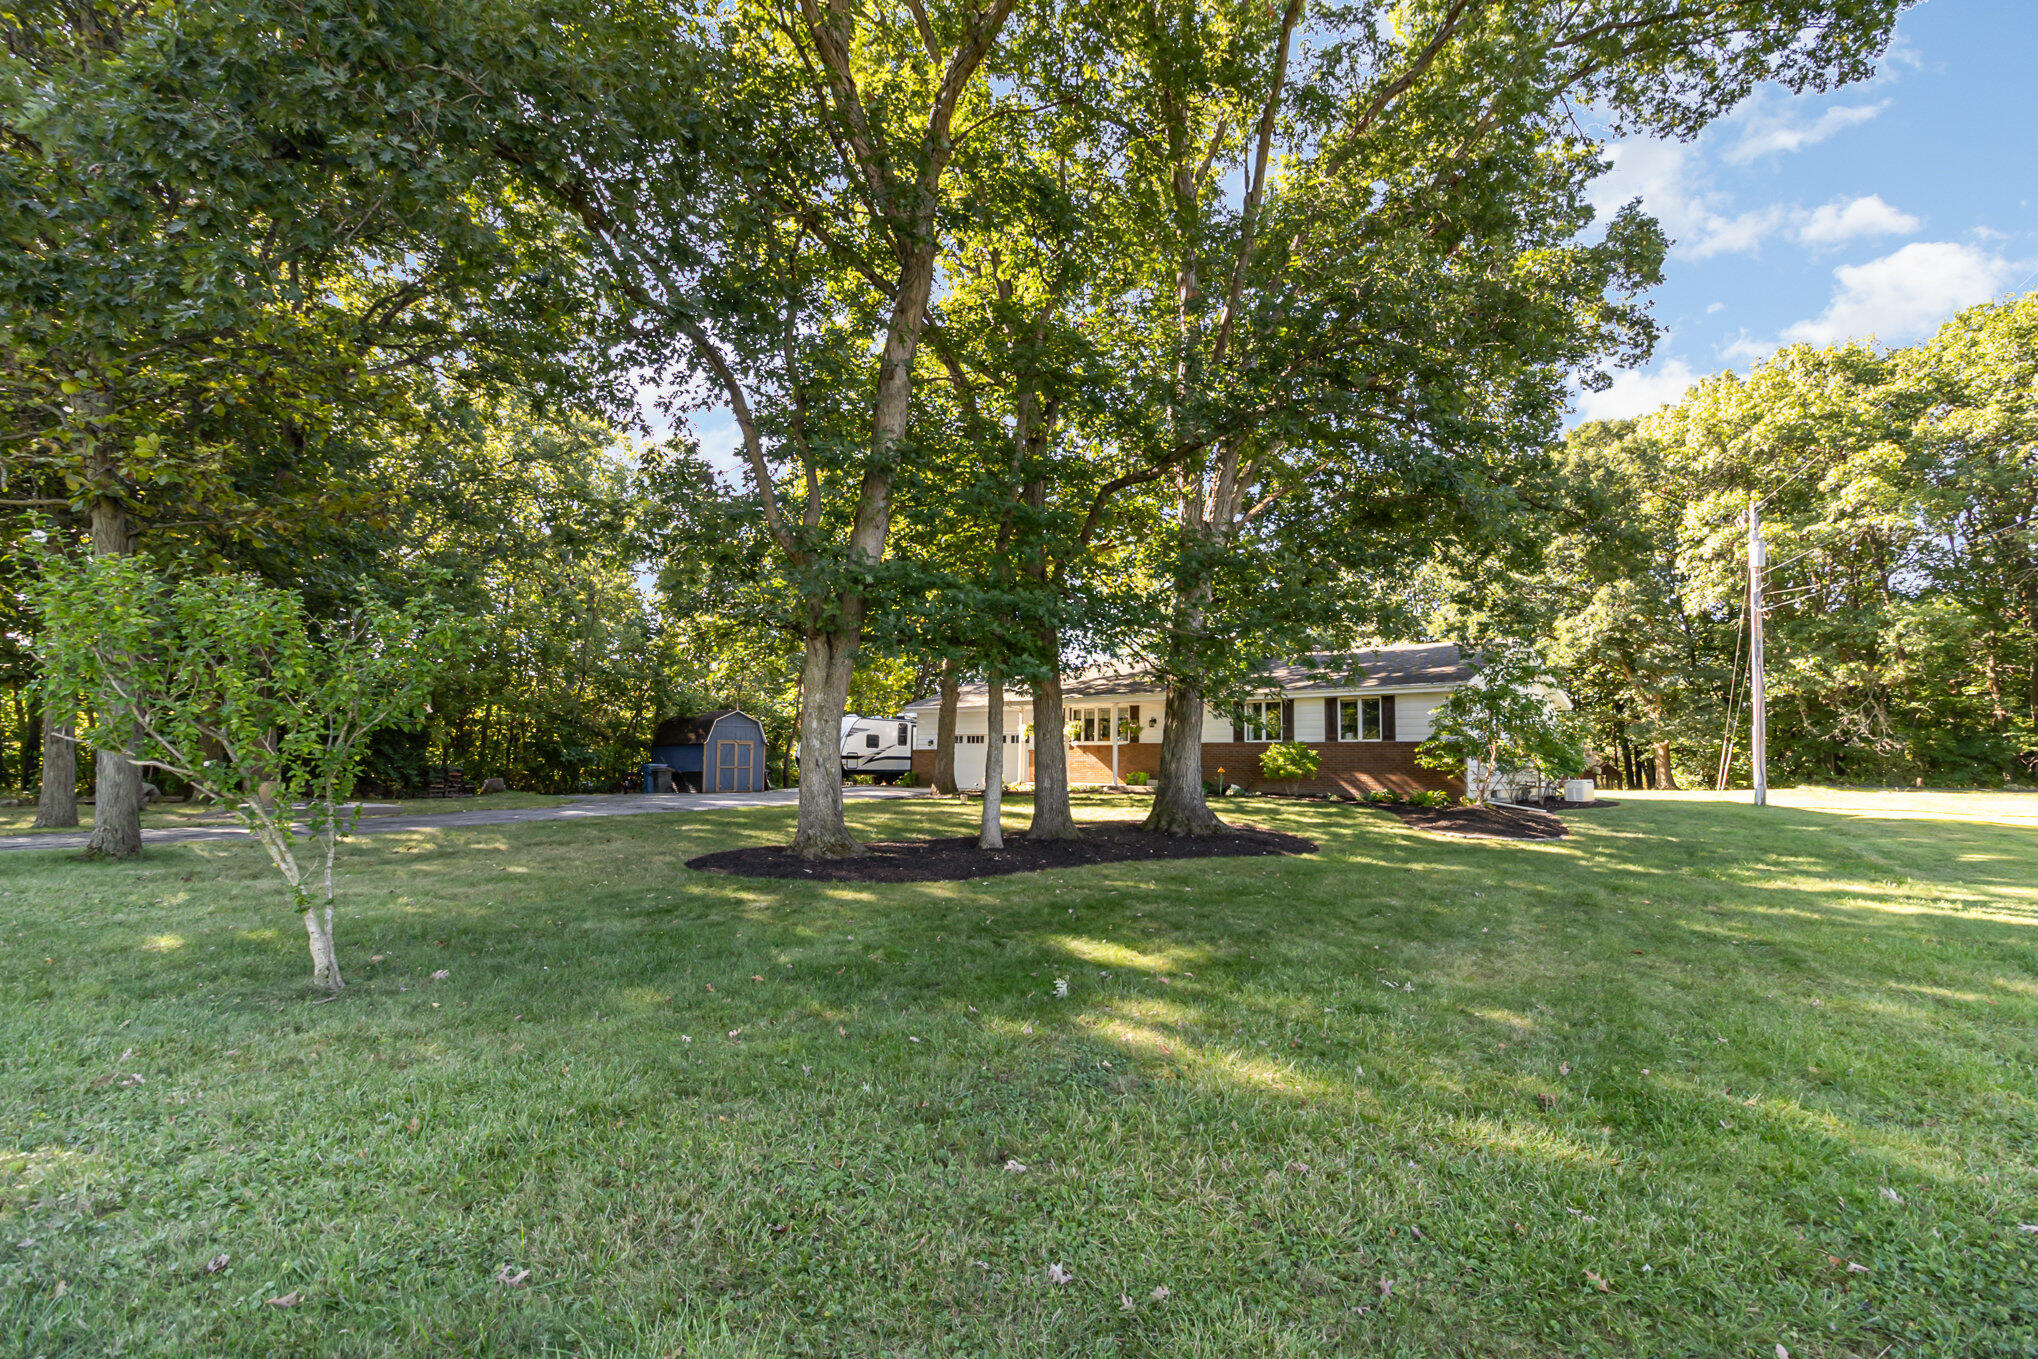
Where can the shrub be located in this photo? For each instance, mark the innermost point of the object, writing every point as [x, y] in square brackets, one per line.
[907, 780]
[1382, 797]
[1431, 797]
[1139, 778]
[1291, 761]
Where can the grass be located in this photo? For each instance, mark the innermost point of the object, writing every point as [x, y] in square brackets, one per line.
[1655, 1090]
[164, 815]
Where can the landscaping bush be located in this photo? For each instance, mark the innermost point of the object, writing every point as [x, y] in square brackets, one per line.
[1290, 762]
[1139, 778]
[1383, 797]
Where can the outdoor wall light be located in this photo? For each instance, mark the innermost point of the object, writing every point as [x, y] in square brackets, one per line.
[1153, 721]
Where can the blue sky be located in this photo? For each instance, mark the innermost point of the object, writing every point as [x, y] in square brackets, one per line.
[1878, 209]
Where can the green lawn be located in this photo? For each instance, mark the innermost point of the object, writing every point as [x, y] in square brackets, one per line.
[163, 815]
[1700, 1080]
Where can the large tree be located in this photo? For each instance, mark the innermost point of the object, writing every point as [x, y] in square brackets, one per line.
[230, 224]
[1357, 263]
[768, 203]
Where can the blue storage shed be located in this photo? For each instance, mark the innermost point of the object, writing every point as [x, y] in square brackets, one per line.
[716, 752]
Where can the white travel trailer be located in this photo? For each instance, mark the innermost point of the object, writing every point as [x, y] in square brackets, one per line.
[879, 746]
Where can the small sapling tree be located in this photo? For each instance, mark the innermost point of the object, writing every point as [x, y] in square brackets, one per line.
[1290, 761]
[1507, 720]
[224, 681]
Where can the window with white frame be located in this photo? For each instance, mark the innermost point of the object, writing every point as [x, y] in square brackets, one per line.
[1260, 719]
[1090, 726]
[1358, 719]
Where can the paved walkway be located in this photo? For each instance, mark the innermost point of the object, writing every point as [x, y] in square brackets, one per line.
[579, 809]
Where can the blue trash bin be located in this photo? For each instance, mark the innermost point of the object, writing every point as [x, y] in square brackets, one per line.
[657, 778]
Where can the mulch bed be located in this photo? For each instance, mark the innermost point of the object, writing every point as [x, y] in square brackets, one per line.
[1500, 821]
[951, 860]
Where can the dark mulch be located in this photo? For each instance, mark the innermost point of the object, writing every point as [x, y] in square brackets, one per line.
[1497, 822]
[950, 860]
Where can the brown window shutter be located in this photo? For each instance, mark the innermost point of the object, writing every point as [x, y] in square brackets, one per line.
[1132, 720]
[1287, 719]
[1330, 719]
[1237, 725]
[1387, 731]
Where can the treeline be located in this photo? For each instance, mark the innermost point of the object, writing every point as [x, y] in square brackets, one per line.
[1898, 494]
[1198, 333]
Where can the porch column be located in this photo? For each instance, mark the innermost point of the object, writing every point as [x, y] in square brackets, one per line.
[1114, 745]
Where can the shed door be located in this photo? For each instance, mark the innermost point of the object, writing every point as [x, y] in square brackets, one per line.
[733, 770]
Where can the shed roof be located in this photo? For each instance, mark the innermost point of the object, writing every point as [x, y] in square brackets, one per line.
[1413, 665]
[690, 730]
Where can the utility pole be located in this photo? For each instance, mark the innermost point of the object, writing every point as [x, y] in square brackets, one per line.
[1758, 724]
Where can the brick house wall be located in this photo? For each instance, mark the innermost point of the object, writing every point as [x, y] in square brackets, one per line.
[1350, 767]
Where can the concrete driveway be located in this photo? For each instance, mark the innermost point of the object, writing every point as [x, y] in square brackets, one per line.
[579, 809]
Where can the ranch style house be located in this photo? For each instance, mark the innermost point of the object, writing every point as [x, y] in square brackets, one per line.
[1364, 712]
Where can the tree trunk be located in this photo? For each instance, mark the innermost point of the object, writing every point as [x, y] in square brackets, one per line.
[27, 704]
[1179, 807]
[325, 962]
[944, 732]
[824, 698]
[1664, 777]
[1052, 819]
[117, 791]
[56, 800]
[992, 835]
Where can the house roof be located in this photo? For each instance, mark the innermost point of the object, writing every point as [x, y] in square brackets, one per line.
[689, 730]
[1415, 665]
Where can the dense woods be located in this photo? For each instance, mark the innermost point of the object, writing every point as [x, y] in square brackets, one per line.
[1200, 334]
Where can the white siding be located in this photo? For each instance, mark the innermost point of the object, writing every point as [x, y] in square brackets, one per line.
[1216, 726]
[1411, 715]
[1309, 718]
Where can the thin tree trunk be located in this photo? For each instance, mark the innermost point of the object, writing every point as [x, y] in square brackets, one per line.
[30, 708]
[944, 731]
[824, 698]
[992, 834]
[1052, 819]
[1179, 807]
[117, 792]
[56, 799]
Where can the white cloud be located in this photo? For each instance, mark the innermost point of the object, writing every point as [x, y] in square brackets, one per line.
[1856, 217]
[1768, 133]
[1676, 190]
[1906, 294]
[1713, 308]
[1637, 392]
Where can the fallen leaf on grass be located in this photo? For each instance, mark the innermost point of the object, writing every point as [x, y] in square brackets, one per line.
[1782, 1353]
[1127, 1303]
[1057, 1275]
[1160, 1293]
[62, 1288]
[1853, 1268]
[290, 1299]
[1012, 1165]
[755, 977]
[441, 975]
[2027, 1226]
[1891, 1194]
[1564, 1069]
[1386, 1287]
[1597, 1282]
[217, 1263]
[510, 1278]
